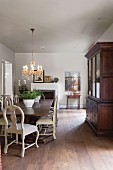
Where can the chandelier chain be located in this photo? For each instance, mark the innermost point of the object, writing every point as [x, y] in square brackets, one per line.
[32, 29]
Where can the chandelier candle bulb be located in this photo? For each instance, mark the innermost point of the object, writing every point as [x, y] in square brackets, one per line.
[38, 67]
[18, 82]
[32, 67]
[24, 81]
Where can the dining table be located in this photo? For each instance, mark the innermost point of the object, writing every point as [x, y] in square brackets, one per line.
[38, 109]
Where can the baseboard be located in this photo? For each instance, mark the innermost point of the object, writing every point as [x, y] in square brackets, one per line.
[61, 106]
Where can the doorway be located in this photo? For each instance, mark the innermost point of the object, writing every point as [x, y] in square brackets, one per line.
[7, 84]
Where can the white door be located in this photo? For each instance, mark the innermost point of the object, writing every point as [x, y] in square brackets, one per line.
[7, 86]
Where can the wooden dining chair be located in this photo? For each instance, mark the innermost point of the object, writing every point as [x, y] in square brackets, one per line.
[1, 102]
[2, 121]
[52, 109]
[18, 128]
[16, 99]
[8, 101]
[48, 121]
[2, 124]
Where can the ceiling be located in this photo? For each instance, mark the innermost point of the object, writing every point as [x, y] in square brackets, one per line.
[61, 26]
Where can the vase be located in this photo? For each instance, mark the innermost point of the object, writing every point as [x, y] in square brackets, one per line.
[28, 102]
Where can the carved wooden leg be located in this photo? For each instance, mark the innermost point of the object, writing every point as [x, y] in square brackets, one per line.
[67, 103]
[54, 132]
[23, 148]
[6, 145]
[40, 127]
[16, 138]
[78, 104]
[37, 136]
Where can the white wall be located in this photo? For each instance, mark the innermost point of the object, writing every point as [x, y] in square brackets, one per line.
[107, 36]
[55, 65]
[7, 55]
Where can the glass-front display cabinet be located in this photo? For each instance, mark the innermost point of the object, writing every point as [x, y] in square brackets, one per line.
[99, 101]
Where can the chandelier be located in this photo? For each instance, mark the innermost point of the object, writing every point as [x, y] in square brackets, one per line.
[32, 71]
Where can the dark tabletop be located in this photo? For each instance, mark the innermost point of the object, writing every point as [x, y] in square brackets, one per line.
[38, 109]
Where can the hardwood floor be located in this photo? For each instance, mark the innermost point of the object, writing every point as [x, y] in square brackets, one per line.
[76, 148]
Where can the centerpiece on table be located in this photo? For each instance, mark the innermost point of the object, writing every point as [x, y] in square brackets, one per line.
[29, 97]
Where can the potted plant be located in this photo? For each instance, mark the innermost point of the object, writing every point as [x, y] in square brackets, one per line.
[29, 97]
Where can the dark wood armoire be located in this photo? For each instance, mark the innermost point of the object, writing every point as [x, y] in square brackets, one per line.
[99, 101]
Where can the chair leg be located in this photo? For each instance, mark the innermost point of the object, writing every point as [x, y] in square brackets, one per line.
[37, 136]
[6, 145]
[16, 138]
[56, 120]
[40, 128]
[23, 147]
[54, 132]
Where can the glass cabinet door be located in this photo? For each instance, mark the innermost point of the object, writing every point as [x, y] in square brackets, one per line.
[98, 75]
[89, 77]
[93, 76]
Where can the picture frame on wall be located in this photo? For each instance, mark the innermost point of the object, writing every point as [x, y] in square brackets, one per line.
[72, 81]
[39, 78]
[47, 79]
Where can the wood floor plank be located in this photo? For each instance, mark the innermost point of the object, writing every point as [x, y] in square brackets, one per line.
[31, 167]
